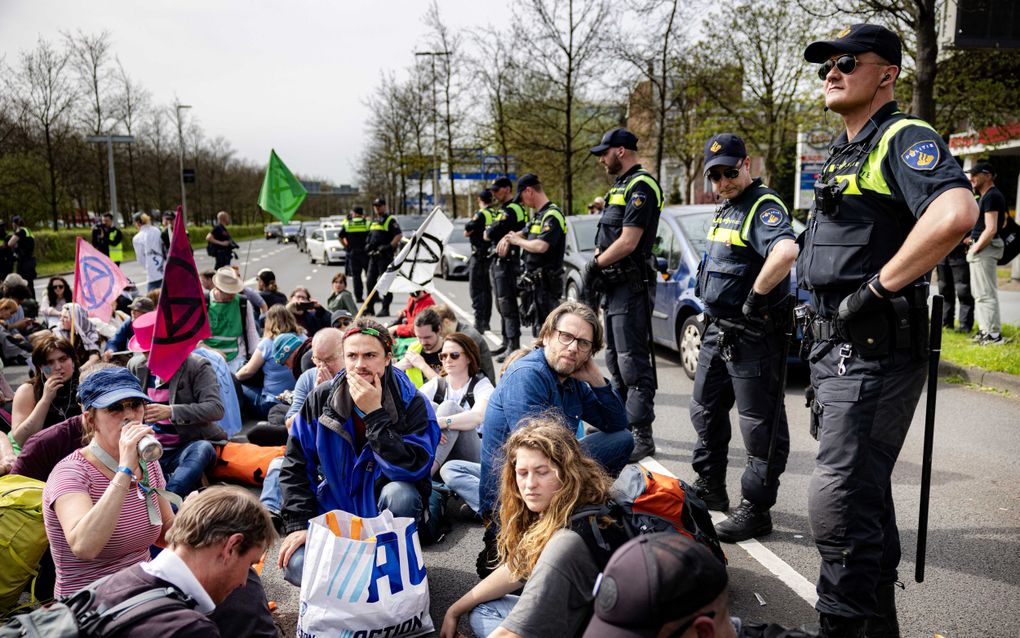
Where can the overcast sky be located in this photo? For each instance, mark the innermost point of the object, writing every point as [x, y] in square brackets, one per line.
[286, 75]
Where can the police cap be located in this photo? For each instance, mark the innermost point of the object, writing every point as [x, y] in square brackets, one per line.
[502, 182]
[725, 149]
[358, 210]
[858, 38]
[527, 181]
[616, 137]
[379, 201]
[485, 196]
[982, 167]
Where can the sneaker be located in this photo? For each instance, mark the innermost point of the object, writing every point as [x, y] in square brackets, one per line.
[993, 340]
[713, 493]
[746, 521]
[979, 337]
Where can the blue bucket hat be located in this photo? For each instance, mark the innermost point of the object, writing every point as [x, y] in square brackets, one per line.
[284, 345]
[103, 388]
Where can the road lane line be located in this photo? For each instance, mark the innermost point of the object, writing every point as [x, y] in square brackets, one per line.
[788, 575]
[493, 338]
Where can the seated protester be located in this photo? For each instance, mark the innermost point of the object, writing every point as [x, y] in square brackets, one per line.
[14, 347]
[452, 324]
[362, 443]
[421, 360]
[231, 320]
[8, 459]
[86, 338]
[216, 538]
[138, 307]
[460, 396]
[270, 294]
[253, 297]
[183, 411]
[545, 479]
[262, 394]
[58, 293]
[340, 320]
[231, 423]
[403, 325]
[207, 278]
[309, 313]
[341, 298]
[102, 508]
[17, 290]
[50, 396]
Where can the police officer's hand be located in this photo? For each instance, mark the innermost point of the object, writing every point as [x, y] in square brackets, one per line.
[865, 298]
[503, 246]
[590, 275]
[755, 307]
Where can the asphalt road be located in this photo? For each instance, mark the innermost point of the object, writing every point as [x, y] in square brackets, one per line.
[972, 586]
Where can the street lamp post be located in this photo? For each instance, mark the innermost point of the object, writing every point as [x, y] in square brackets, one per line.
[110, 140]
[180, 156]
[435, 127]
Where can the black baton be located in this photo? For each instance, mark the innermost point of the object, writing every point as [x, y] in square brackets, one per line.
[781, 398]
[935, 347]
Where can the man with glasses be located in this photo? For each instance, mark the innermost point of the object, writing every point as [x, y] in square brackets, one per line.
[890, 203]
[560, 374]
[743, 281]
[624, 271]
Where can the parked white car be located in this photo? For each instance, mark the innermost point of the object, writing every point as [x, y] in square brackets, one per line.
[324, 246]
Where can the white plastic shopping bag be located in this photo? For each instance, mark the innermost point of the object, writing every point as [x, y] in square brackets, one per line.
[363, 577]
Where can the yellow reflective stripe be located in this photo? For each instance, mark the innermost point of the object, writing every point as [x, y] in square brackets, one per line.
[617, 199]
[647, 179]
[555, 212]
[729, 236]
[852, 188]
[746, 227]
[517, 208]
[871, 173]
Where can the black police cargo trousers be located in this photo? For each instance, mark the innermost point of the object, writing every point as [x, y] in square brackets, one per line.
[355, 268]
[627, 351]
[504, 284]
[480, 289]
[751, 380]
[376, 267]
[863, 417]
[548, 289]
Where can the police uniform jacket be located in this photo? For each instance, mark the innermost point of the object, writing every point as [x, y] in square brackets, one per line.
[511, 218]
[889, 174]
[355, 230]
[549, 226]
[381, 233]
[635, 199]
[743, 233]
[482, 220]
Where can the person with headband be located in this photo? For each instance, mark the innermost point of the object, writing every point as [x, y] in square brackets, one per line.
[363, 442]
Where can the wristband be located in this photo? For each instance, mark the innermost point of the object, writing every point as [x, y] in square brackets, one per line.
[126, 470]
[879, 288]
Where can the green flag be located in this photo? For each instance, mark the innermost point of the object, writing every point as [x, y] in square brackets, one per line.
[281, 192]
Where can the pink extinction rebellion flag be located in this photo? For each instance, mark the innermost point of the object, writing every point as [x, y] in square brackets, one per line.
[182, 320]
[97, 281]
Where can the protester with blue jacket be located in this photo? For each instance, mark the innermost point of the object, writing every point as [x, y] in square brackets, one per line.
[363, 443]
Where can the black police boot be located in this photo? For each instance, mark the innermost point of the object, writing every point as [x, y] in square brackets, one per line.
[644, 444]
[713, 492]
[884, 623]
[514, 344]
[840, 627]
[488, 558]
[501, 349]
[746, 521]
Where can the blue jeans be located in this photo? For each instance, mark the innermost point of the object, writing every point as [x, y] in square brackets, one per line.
[400, 498]
[183, 466]
[258, 401]
[272, 497]
[611, 449]
[488, 616]
[463, 477]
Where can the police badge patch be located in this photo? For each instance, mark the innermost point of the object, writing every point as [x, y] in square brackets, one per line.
[922, 156]
[771, 216]
[637, 200]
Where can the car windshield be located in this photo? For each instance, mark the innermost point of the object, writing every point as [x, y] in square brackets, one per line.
[584, 231]
[273, 226]
[332, 234]
[409, 223]
[291, 228]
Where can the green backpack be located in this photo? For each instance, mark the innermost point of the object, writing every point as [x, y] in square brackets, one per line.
[22, 536]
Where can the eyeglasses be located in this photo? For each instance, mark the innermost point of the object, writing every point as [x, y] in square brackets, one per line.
[453, 356]
[729, 173]
[126, 404]
[342, 323]
[58, 286]
[845, 63]
[566, 339]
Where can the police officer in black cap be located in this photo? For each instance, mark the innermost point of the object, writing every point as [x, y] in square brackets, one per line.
[384, 236]
[744, 282]
[354, 235]
[479, 284]
[890, 203]
[543, 246]
[622, 269]
[506, 268]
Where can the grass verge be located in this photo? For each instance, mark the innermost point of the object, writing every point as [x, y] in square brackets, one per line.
[959, 349]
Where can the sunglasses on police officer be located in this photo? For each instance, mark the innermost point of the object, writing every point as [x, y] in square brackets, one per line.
[729, 173]
[845, 63]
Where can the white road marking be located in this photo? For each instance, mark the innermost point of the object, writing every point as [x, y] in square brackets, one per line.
[493, 338]
[788, 575]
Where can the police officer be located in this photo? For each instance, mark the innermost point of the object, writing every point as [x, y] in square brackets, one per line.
[506, 268]
[543, 246]
[354, 235]
[114, 239]
[384, 236]
[23, 244]
[622, 265]
[479, 284]
[99, 240]
[890, 203]
[743, 281]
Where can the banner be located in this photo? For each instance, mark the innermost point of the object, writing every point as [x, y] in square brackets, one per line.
[281, 193]
[97, 281]
[412, 269]
[182, 320]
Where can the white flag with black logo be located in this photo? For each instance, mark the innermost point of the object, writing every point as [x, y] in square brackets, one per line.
[413, 267]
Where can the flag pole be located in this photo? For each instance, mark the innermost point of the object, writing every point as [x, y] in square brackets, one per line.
[74, 298]
[364, 305]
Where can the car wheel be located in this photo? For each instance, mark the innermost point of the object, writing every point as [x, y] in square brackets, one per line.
[311, 258]
[573, 293]
[689, 339]
[445, 269]
[324, 260]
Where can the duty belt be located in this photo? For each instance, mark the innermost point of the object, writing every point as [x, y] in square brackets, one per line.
[822, 329]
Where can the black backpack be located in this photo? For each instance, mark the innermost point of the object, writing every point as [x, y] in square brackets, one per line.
[469, 396]
[1010, 236]
[79, 615]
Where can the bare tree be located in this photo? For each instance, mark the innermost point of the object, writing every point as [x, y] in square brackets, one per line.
[497, 70]
[130, 106]
[444, 40]
[90, 56]
[158, 138]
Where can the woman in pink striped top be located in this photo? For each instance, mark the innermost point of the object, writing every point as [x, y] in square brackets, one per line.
[102, 511]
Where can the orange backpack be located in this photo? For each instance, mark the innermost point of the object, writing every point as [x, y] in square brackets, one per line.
[244, 462]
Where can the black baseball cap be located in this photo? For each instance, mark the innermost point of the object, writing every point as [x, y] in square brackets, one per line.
[724, 149]
[358, 210]
[858, 38]
[501, 182]
[527, 181]
[616, 137]
[340, 315]
[485, 196]
[982, 167]
[652, 580]
[379, 201]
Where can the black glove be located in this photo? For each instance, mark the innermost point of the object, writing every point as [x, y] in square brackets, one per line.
[755, 307]
[862, 300]
[590, 275]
